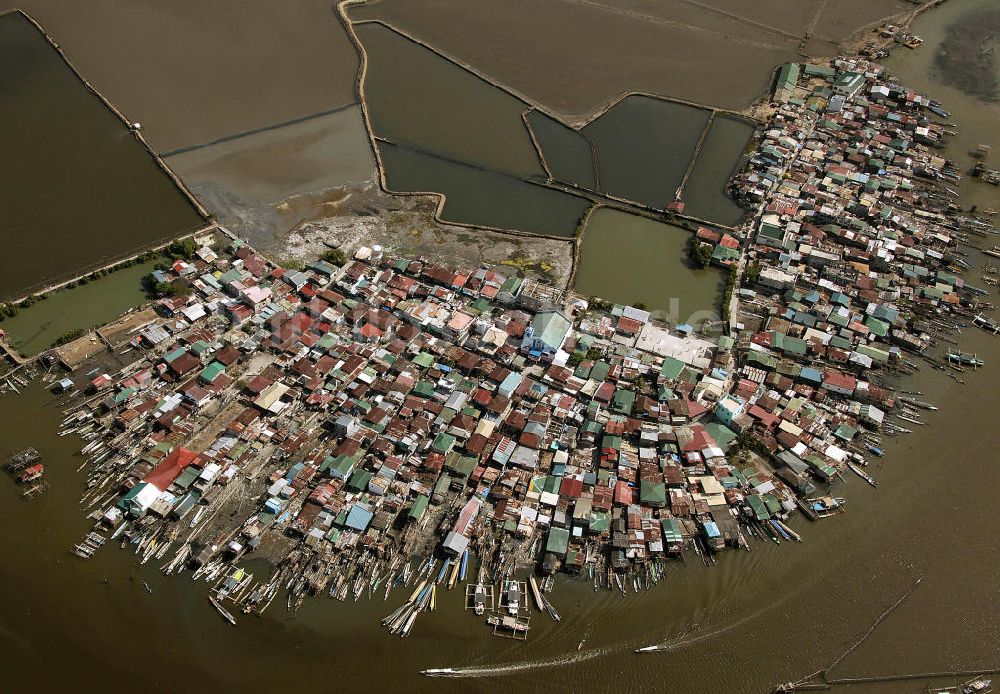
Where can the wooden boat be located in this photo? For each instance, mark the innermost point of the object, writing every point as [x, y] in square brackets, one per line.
[513, 594]
[30, 474]
[222, 611]
[551, 610]
[862, 474]
[965, 359]
[534, 591]
[438, 672]
[479, 599]
[507, 622]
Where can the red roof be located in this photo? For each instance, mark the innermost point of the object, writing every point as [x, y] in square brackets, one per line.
[629, 326]
[623, 493]
[729, 242]
[164, 474]
[571, 487]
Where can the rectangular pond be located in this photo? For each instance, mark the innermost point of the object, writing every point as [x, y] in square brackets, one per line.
[631, 259]
[76, 187]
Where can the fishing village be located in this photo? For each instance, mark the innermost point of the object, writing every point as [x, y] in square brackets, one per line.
[382, 427]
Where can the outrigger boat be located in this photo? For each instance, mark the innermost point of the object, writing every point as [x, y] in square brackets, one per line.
[965, 359]
[977, 686]
[987, 324]
[551, 610]
[222, 611]
[479, 599]
[825, 506]
[31, 474]
[513, 592]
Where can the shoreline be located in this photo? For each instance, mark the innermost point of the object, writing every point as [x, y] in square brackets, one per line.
[246, 591]
[670, 489]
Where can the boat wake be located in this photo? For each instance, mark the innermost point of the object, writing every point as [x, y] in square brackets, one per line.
[513, 668]
[691, 636]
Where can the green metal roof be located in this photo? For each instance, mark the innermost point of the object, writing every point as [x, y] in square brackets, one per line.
[558, 541]
[418, 508]
[652, 493]
[212, 372]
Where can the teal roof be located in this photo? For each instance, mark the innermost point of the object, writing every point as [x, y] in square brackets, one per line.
[671, 368]
[172, 356]
[212, 372]
[558, 541]
[550, 327]
[623, 401]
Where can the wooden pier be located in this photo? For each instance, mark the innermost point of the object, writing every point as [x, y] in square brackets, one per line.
[22, 459]
[34, 489]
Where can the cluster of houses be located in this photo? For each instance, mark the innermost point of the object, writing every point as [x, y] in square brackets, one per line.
[364, 404]
[390, 400]
[851, 265]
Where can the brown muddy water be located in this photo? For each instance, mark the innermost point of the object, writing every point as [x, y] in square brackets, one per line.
[720, 157]
[76, 188]
[568, 154]
[419, 100]
[462, 131]
[574, 57]
[191, 71]
[194, 73]
[743, 625]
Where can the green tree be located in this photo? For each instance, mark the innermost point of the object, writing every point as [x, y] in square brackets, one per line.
[699, 253]
[172, 289]
[334, 256]
[181, 249]
[69, 337]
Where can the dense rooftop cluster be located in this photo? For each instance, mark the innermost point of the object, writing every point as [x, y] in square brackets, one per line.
[335, 418]
[360, 406]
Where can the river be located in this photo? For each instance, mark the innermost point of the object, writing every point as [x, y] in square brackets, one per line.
[751, 621]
